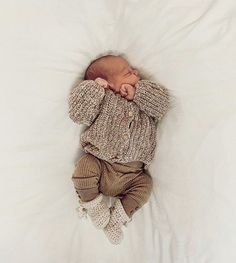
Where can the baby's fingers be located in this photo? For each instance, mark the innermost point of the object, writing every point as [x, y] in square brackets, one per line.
[123, 87]
[123, 93]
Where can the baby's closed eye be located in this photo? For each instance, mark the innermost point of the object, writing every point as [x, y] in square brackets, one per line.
[127, 73]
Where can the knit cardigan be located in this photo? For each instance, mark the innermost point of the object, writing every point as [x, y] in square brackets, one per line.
[119, 130]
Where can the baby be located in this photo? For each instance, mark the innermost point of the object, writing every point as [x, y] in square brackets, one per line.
[121, 111]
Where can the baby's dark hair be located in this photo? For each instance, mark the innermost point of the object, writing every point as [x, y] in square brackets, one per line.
[91, 73]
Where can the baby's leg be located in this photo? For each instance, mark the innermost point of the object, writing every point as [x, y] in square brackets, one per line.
[134, 197]
[86, 177]
[137, 193]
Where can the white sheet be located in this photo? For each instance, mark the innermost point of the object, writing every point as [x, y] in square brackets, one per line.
[190, 47]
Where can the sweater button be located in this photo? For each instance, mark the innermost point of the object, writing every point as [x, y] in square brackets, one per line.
[125, 136]
[130, 113]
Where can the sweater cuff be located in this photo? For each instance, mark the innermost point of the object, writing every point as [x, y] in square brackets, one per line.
[92, 88]
[152, 98]
[84, 101]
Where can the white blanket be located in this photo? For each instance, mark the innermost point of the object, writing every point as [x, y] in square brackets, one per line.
[189, 46]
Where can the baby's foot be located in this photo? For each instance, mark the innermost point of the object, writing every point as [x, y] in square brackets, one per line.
[118, 218]
[97, 210]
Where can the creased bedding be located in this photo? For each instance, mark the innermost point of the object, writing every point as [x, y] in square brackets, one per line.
[189, 46]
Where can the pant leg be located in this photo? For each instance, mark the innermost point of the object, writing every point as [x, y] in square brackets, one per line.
[137, 194]
[86, 177]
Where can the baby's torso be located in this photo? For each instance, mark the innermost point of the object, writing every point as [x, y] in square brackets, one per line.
[121, 132]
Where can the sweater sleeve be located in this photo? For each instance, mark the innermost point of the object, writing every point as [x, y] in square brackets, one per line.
[152, 98]
[85, 102]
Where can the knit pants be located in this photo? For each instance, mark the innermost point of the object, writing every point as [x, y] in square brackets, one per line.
[128, 182]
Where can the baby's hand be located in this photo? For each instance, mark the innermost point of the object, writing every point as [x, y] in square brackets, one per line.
[127, 91]
[102, 82]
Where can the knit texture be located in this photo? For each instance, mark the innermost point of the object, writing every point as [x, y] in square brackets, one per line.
[97, 209]
[118, 218]
[119, 130]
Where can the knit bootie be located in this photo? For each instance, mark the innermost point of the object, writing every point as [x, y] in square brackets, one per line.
[118, 218]
[97, 209]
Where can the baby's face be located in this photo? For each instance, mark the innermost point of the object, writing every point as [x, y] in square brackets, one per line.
[121, 72]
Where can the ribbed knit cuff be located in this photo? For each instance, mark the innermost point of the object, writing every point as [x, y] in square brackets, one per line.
[93, 89]
[152, 98]
[84, 101]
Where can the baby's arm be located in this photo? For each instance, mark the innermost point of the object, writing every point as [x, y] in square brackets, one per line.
[85, 102]
[152, 98]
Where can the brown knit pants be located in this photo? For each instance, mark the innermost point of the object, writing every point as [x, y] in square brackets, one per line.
[125, 181]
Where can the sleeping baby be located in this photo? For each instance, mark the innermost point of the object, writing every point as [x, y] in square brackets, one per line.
[121, 112]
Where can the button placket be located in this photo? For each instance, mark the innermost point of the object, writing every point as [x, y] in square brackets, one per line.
[130, 115]
[126, 135]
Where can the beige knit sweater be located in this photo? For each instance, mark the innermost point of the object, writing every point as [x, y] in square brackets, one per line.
[119, 130]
